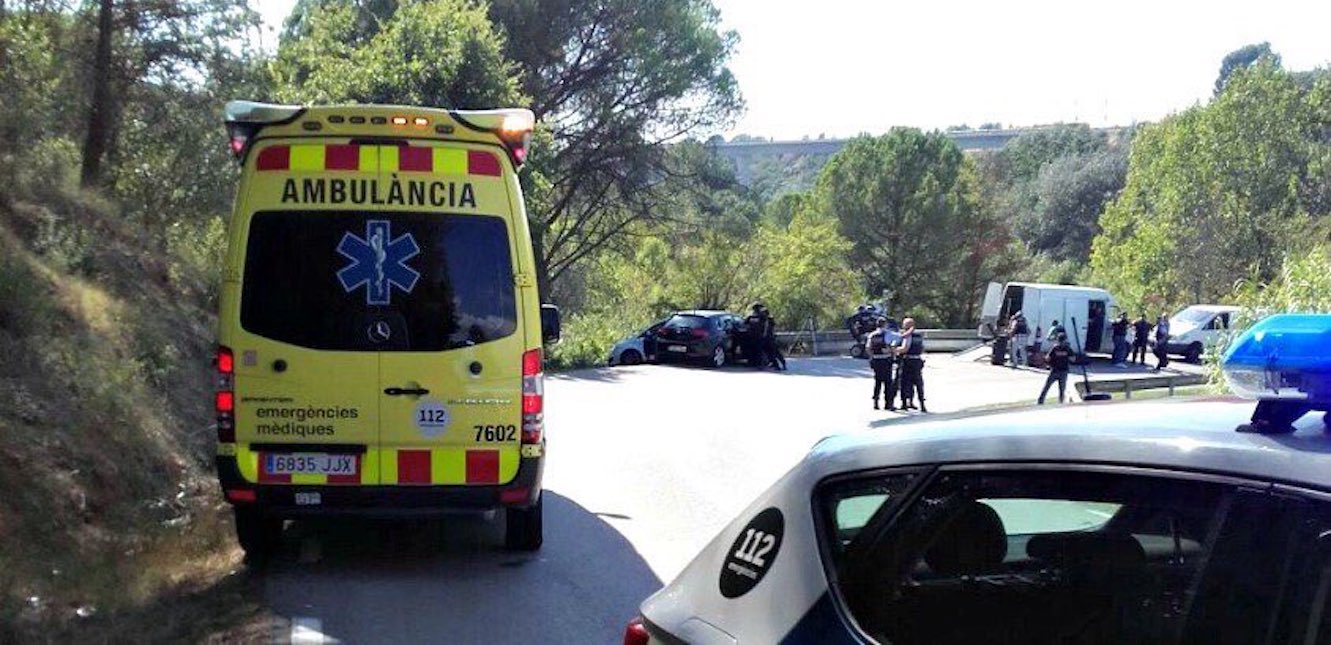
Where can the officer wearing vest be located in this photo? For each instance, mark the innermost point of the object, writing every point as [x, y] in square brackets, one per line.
[911, 380]
[753, 337]
[879, 346]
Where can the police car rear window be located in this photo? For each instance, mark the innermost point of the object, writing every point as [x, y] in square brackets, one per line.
[687, 320]
[378, 281]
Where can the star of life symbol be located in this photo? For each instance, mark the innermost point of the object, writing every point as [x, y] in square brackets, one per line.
[378, 262]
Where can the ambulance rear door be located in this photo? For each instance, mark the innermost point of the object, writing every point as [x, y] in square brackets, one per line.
[306, 350]
[451, 381]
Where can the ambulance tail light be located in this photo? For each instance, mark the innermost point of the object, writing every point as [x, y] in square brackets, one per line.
[1284, 362]
[636, 633]
[241, 495]
[533, 397]
[514, 495]
[225, 398]
[244, 120]
[513, 127]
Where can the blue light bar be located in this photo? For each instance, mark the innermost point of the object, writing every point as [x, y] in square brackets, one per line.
[1285, 357]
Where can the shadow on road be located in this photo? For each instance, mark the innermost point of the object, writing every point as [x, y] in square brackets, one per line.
[603, 374]
[833, 366]
[450, 580]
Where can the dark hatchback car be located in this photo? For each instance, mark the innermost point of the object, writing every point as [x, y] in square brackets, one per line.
[708, 337]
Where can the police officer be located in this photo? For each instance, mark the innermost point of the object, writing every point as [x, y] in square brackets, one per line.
[1161, 342]
[1019, 330]
[753, 330]
[1141, 328]
[767, 342]
[911, 351]
[1059, 360]
[1119, 333]
[879, 345]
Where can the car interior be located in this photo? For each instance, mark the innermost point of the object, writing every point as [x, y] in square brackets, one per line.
[1015, 559]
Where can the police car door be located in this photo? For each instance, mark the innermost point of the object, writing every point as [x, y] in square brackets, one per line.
[451, 377]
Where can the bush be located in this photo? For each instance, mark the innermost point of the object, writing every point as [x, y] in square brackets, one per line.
[24, 302]
[588, 338]
[197, 251]
[49, 167]
[1302, 286]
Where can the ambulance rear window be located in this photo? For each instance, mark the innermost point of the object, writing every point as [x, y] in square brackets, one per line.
[378, 281]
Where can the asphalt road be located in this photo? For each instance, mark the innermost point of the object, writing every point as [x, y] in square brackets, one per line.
[645, 465]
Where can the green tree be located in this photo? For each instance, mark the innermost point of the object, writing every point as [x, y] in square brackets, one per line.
[906, 203]
[1047, 187]
[146, 43]
[1243, 57]
[803, 272]
[1068, 196]
[437, 52]
[1218, 192]
[616, 81]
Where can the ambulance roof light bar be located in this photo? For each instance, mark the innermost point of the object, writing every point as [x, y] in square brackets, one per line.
[1284, 362]
[245, 118]
[261, 113]
[513, 126]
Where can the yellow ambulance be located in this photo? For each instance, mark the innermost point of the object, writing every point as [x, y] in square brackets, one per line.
[381, 332]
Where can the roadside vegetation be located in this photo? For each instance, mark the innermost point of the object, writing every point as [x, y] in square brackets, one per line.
[118, 183]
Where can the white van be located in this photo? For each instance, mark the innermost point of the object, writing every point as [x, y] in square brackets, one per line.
[1042, 304]
[1196, 329]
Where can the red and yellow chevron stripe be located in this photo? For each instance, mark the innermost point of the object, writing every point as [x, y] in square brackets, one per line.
[358, 158]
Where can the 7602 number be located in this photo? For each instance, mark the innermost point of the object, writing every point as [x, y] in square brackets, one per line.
[496, 433]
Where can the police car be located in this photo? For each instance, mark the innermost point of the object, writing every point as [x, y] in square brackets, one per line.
[1100, 523]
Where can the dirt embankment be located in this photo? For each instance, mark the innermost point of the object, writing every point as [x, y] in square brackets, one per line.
[110, 520]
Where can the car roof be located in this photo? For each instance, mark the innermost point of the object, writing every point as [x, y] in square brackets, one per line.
[1210, 308]
[703, 312]
[1188, 434]
[1055, 287]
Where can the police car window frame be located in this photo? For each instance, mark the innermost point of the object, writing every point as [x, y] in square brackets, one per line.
[884, 520]
[825, 528]
[1300, 612]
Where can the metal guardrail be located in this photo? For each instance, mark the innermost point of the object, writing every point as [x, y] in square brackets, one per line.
[1129, 385]
[838, 342]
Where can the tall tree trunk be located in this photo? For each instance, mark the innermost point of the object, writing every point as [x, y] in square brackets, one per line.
[543, 285]
[99, 113]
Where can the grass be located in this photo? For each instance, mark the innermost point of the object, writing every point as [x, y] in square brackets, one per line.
[108, 501]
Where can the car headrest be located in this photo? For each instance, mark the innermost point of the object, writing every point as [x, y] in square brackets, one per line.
[1100, 550]
[972, 541]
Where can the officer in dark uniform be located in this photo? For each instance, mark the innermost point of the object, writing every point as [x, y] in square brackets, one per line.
[911, 381]
[753, 337]
[879, 347]
[771, 352]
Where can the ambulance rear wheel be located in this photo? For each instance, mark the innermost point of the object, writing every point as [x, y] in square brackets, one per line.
[522, 528]
[258, 535]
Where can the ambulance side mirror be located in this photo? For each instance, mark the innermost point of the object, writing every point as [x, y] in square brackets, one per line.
[550, 327]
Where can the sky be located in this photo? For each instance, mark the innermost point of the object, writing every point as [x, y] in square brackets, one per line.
[843, 67]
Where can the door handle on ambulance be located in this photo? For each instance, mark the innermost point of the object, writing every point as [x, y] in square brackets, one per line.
[409, 391]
